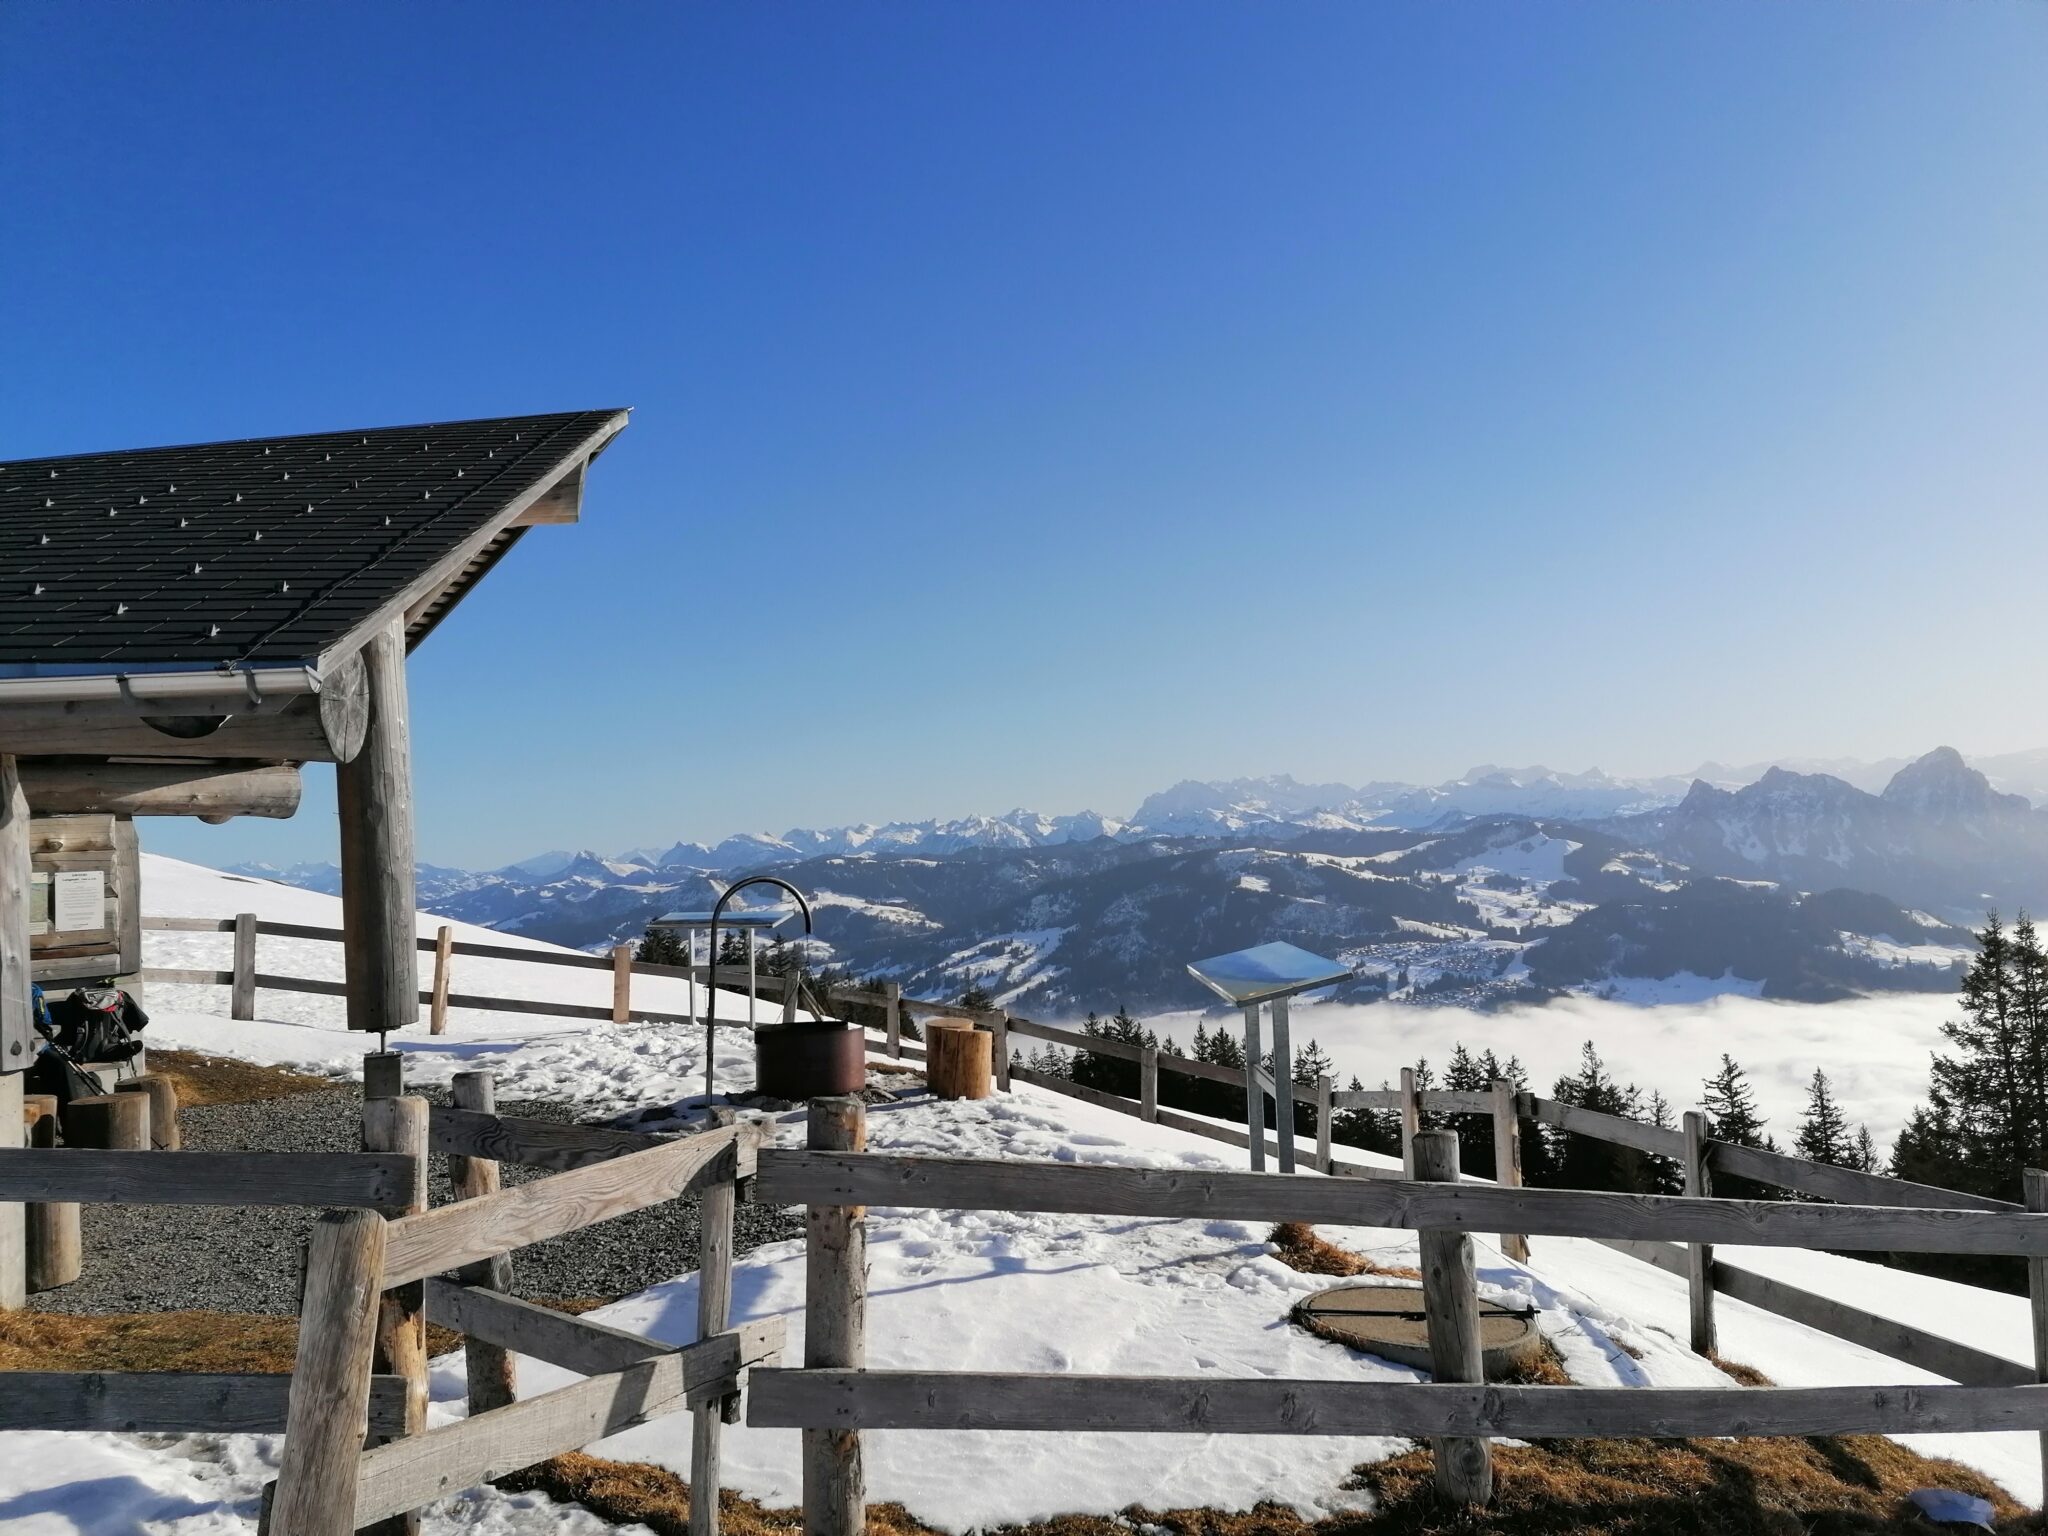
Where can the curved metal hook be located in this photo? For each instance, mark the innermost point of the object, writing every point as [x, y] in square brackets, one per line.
[718, 908]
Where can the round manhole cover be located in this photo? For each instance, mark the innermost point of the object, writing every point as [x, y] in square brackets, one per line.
[1388, 1321]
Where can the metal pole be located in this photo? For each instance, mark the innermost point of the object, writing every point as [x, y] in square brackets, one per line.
[751, 985]
[1283, 1086]
[1254, 1097]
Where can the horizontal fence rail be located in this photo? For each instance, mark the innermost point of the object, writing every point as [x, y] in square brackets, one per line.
[375, 1180]
[870, 1399]
[170, 1402]
[789, 1177]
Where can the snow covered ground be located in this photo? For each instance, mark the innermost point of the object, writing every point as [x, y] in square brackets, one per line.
[966, 1290]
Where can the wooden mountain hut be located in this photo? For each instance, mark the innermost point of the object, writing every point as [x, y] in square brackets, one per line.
[182, 629]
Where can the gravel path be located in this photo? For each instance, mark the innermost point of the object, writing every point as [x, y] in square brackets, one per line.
[227, 1259]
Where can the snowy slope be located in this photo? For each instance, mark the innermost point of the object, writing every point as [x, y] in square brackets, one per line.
[966, 1290]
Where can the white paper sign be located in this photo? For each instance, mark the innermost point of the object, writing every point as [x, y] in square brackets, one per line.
[38, 903]
[78, 897]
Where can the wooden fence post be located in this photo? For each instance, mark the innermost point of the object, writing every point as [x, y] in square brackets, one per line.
[1450, 1300]
[444, 953]
[54, 1242]
[13, 1216]
[1000, 1028]
[714, 1312]
[622, 984]
[2037, 1293]
[1411, 1121]
[242, 996]
[400, 1125]
[835, 1326]
[1283, 1085]
[1326, 1161]
[1148, 1084]
[1699, 1257]
[162, 1094]
[892, 1026]
[330, 1391]
[1507, 1160]
[489, 1367]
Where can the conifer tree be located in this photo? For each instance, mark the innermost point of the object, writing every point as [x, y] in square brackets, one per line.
[1733, 1117]
[1995, 1088]
[662, 946]
[1824, 1130]
[1865, 1155]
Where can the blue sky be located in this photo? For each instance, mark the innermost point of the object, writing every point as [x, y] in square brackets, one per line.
[1039, 403]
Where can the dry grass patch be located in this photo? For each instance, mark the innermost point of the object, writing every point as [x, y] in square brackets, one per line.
[624, 1492]
[161, 1341]
[203, 1079]
[1301, 1248]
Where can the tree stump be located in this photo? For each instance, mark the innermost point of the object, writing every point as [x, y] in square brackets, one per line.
[113, 1122]
[959, 1059]
[162, 1094]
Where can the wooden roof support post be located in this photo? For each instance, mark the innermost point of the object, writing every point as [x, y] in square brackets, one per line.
[374, 794]
[17, 1033]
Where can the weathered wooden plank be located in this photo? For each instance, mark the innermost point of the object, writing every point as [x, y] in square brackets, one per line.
[1507, 1159]
[422, 1468]
[1073, 1090]
[1881, 1335]
[1366, 1098]
[1614, 1128]
[574, 1343]
[273, 983]
[1450, 1299]
[792, 1177]
[17, 1008]
[1066, 1404]
[378, 1180]
[242, 1000]
[399, 1124]
[1846, 1185]
[328, 1411]
[453, 1235]
[1073, 1040]
[191, 925]
[536, 1143]
[715, 1209]
[188, 978]
[835, 1327]
[1699, 1258]
[437, 993]
[490, 1376]
[1187, 1066]
[168, 1402]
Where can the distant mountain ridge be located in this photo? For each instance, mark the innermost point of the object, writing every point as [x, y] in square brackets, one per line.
[1505, 884]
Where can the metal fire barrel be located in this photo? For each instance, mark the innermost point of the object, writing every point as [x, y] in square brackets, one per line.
[809, 1060]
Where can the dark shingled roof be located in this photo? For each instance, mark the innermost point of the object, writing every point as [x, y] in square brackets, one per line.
[266, 551]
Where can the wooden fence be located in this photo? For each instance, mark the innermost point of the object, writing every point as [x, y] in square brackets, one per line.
[369, 1277]
[834, 1397]
[166, 1402]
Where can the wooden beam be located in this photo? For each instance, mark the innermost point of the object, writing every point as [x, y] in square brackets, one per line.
[1450, 1300]
[1069, 1404]
[790, 1177]
[374, 795]
[326, 727]
[68, 786]
[491, 1375]
[330, 1391]
[527, 1328]
[453, 1235]
[17, 1012]
[536, 1143]
[167, 1402]
[560, 503]
[835, 1326]
[408, 1473]
[379, 1181]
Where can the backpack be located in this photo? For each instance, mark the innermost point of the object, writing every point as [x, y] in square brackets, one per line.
[98, 1024]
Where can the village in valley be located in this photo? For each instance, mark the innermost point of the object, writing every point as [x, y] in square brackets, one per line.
[460, 434]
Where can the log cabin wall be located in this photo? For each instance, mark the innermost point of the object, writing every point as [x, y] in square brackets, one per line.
[84, 870]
